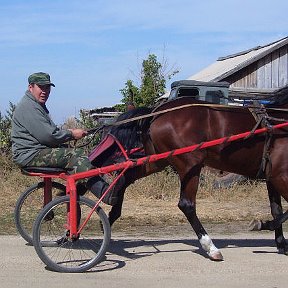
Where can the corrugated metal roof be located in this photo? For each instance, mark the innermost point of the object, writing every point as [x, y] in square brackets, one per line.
[225, 66]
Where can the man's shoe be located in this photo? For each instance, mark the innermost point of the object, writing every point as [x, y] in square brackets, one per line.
[98, 186]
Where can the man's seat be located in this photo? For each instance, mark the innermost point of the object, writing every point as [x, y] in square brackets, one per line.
[43, 170]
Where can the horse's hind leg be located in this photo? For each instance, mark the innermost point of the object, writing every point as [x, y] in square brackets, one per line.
[187, 204]
[277, 213]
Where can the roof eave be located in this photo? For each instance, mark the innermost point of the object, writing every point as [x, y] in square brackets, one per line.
[250, 61]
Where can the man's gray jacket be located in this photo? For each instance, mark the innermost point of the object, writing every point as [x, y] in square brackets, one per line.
[33, 130]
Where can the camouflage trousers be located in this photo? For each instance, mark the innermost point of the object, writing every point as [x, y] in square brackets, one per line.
[73, 159]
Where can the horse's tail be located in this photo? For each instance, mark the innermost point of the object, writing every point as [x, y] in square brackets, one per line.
[129, 133]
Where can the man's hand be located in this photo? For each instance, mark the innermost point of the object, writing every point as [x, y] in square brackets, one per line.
[78, 133]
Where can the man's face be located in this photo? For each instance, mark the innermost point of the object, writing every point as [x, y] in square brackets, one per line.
[40, 92]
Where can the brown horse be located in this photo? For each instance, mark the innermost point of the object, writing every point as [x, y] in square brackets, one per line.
[197, 122]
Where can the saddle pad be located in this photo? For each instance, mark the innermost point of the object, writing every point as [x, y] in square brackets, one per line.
[106, 143]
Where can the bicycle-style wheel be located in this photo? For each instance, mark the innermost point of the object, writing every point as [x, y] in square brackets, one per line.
[28, 206]
[53, 244]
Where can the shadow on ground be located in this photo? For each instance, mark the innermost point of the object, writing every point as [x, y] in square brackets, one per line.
[134, 249]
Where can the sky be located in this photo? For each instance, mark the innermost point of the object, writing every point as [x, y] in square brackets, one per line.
[91, 48]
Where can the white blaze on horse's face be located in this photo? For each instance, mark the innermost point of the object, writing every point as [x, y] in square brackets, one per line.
[212, 251]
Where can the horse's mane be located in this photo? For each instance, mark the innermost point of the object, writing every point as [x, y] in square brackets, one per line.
[276, 101]
[276, 98]
[128, 134]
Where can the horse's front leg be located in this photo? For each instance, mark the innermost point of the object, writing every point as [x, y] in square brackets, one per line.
[115, 212]
[187, 204]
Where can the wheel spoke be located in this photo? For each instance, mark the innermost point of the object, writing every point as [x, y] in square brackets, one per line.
[61, 253]
[28, 206]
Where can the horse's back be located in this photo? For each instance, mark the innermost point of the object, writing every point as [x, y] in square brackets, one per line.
[194, 122]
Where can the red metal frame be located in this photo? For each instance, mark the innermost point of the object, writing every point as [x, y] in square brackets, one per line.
[47, 190]
[71, 179]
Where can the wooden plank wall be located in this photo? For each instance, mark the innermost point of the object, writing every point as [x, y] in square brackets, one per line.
[268, 72]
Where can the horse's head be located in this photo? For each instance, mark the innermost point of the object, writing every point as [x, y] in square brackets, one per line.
[129, 133]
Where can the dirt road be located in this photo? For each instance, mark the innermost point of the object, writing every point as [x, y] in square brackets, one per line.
[144, 261]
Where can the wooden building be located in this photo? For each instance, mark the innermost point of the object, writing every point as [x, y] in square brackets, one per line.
[261, 70]
[104, 115]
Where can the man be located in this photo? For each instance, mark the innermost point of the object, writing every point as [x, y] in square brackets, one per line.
[37, 141]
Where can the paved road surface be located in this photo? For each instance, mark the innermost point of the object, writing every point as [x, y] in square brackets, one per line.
[250, 261]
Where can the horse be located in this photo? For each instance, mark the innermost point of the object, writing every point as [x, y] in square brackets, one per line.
[186, 121]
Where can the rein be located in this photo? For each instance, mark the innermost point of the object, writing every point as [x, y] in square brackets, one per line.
[118, 123]
[162, 112]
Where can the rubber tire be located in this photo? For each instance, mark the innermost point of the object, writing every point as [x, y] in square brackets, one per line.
[25, 196]
[105, 227]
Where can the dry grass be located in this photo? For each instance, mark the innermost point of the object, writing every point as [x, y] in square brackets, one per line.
[152, 201]
[12, 183]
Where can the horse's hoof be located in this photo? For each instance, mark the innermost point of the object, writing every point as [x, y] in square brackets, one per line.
[283, 251]
[216, 256]
[255, 225]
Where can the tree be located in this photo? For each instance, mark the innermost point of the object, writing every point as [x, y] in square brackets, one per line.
[153, 83]
[5, 129]
[131, 93]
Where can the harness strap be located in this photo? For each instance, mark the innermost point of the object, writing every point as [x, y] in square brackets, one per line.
[261, 117]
